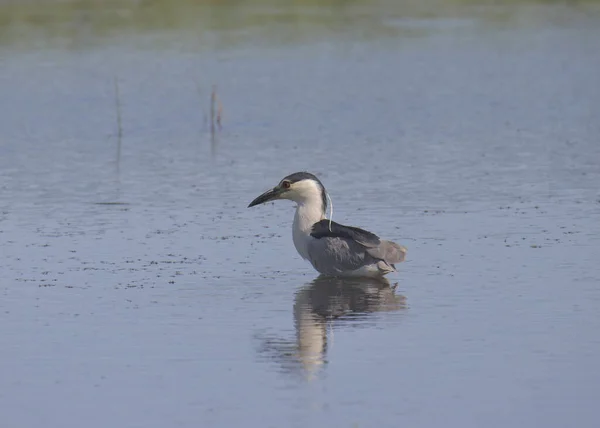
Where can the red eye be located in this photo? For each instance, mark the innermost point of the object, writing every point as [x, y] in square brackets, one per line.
[286, 184]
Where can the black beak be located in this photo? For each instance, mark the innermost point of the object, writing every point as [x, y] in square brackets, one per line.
[266, 197]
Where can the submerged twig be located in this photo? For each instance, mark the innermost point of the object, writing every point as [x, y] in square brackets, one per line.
[119, 121]
[216, 111]
[219, 113]
[213, 140]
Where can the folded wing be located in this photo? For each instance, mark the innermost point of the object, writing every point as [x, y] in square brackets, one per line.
[352, 247]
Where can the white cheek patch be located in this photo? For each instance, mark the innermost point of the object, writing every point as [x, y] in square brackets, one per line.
[306, 189]
[309, 193]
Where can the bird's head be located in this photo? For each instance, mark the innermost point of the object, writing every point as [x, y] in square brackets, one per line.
[300, 187]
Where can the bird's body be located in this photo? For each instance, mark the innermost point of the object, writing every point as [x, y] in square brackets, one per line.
[333, 249]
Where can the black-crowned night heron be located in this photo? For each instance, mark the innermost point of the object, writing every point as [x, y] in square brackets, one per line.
[332, 249]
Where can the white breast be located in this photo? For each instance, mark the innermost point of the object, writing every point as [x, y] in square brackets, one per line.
[306, 216]
[301, 240]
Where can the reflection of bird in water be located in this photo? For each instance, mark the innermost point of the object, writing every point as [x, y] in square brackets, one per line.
[324, 300]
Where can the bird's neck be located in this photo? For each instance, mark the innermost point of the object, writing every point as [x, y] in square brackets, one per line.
[307, 214]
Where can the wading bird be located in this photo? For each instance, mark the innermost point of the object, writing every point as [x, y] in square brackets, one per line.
[333, 249]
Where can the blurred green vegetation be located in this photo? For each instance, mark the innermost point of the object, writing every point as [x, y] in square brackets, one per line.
[41, 22]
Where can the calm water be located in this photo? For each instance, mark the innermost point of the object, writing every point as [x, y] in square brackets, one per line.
[137, 290]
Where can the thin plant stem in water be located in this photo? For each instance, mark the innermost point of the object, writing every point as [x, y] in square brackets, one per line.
[119, 123]
[216, 110]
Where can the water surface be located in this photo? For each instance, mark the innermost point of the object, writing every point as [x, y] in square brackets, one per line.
[137, 290]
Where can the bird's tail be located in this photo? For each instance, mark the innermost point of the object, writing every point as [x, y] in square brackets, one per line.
[389, 253]
[394, 253]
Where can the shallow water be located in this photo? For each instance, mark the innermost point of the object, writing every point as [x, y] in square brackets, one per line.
[137, 290]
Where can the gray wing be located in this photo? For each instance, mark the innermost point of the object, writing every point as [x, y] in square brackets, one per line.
[335, 255]
[345, 248]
